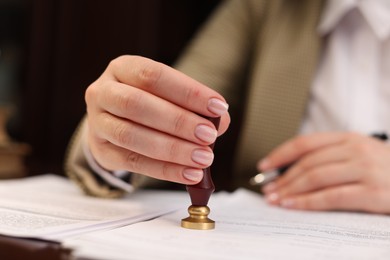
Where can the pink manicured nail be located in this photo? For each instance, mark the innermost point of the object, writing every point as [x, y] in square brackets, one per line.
[264, 164]
[202, 157]
[287, 203]
[270, 187]
[193, 174]
[217, 106]
[206, 133]
[272, 198]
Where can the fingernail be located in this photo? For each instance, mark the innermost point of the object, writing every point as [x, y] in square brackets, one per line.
[193, 174]
[202, 157]
[272, 198]
[269, 187]
[287, 203]
[264, 164]
[217, 106]
[206, 133]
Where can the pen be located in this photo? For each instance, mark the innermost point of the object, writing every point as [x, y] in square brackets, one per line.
[263, 178]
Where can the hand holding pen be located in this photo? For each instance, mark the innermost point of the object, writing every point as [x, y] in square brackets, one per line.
[266, 177]
[343, 171]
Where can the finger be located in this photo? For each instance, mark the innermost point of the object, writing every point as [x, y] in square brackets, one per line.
[344, 197]
[327, 155]
[295, 148]
[151, 143]
[321, 177]
[169, 84]
[115, 157]
[151, 111]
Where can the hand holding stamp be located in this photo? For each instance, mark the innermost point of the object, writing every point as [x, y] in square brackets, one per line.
[200, 194]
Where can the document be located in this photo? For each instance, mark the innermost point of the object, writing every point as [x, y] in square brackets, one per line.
[246, 228]
[52, 207]
[146, 225]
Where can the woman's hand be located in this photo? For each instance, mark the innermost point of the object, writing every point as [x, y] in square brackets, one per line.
[143, 117]
[331, 171]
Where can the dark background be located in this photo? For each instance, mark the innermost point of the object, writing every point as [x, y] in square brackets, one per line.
[66, 44]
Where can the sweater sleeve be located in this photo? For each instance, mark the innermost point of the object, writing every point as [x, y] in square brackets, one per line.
[81, 172]
[220, 54]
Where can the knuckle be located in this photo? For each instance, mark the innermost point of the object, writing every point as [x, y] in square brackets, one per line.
[132, 102]
[191, 94]
[132, 161]
[122, 134]
[173, 150]
[171, 172]
[179, 122]
[166, 171]
[149, 74]
[119, 61]
[90, 93]
[362, 148]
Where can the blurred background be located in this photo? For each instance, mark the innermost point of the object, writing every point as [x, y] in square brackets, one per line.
[51, 50]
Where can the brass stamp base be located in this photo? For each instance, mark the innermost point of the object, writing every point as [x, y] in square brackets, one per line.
[198, 218]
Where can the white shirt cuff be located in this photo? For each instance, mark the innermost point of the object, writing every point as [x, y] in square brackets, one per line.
[113, 178]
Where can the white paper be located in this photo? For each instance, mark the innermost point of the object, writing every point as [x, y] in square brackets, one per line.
[246, 228]
[52, 207]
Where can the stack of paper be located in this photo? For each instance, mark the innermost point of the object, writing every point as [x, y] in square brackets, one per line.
[51, 207]
[246, 227]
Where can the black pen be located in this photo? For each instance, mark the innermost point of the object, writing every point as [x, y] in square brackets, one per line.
[263, 178]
